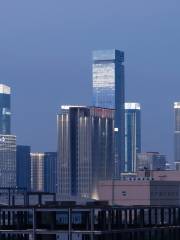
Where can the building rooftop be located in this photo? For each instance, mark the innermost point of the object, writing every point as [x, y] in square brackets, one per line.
[4, 89]
[176, 104]
[66, 107]
[132, 105]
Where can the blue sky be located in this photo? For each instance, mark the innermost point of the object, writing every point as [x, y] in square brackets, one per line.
[45, 55]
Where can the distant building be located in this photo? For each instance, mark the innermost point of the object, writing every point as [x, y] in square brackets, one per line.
[108, 92]
[151, 161]
[5, 110]
[132, 135]
[23, 166]
[102, 137]
[7, 141]
[50, 171]
[142, 191]
[167, 175]
[85, 149]
[7, 161]
[37, 172]
[177, 134]
[43, 171]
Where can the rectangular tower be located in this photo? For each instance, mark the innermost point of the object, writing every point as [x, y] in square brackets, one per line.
[5, 109]
[37, 172]
[50, 171]
[74, 150]
[85, 149]
[23, 166]
[132, 135]
[108, 92]
[102, 138]
[43, 171]
[7, 161]
[177, 135]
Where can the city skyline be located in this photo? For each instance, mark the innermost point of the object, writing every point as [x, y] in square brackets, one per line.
[32, 56]
[89, 120]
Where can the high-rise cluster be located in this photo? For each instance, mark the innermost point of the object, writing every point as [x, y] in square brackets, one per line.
[95, 143]
[19, 168]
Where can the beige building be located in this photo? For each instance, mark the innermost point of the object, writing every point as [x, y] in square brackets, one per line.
[170, 175]
[37, 172]
[153, 188]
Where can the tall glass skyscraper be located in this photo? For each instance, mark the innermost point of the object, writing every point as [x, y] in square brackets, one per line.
[50, 171]
[177, 134]
[43, 171]
[37, 172]
[5, 109]
[8, 161]
[85, 149]
[7, 142]
[108, 92]
[102, 138]
[74, 151]
[132, 135]
[23, 166]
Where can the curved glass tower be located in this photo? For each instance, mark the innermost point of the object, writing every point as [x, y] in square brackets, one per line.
[5, 109]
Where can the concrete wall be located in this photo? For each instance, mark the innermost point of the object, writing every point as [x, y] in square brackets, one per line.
[125, 192]
[140, 192]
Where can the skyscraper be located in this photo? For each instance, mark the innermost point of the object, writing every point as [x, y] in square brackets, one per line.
[44, 171]
[177, 134]
[74, 149]
[7, 161]
[5, 109]
[23, 166]
[37, 172]
[85, 149]
[50, 171]
[102, 125]
[132, 135]
[108, 92]
[151, 161]
[7, 141]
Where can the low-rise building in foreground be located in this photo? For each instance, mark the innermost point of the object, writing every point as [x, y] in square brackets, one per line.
[145, 188]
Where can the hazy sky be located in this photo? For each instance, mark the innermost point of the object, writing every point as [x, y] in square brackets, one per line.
[45, 55]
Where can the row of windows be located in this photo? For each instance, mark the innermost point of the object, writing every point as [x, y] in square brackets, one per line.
[161, 194]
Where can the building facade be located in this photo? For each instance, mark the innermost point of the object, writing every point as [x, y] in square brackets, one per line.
[23, 166]
[44, 172]
[102, 138]
[177, 134]
[141, 191]
[132, 135]
[85, 149]
[5, 109]
[37, 172]
[108, 92]
[151, 161]
[73, 136]
[7, 161]
[50, 171]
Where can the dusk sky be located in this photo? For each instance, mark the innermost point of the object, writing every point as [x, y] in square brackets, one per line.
[46, 56]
